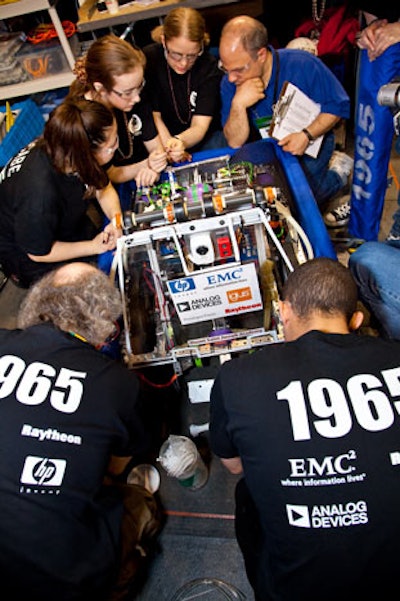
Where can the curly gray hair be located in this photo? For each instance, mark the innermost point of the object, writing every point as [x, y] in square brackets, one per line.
[76, 297]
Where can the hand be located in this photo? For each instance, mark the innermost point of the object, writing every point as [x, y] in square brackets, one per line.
[112, 231]
[146, 177]
[175, 149]
[158, 160]
[103, 242]
[249, 92]
[295, 143]
[367, 37]
[386, 35]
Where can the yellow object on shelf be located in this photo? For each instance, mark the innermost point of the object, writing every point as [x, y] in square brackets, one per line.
[9, 117]
[7, 1]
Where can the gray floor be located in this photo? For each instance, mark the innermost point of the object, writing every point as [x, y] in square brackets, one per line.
[198, 539]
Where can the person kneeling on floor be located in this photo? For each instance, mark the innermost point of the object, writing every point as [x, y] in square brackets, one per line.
[312, 425]
[69, 425]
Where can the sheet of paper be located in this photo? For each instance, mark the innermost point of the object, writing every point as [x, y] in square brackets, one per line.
[293, 111]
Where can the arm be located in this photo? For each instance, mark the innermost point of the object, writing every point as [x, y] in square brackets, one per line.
[195, 133]
[297, 142]
[104, 241]
[65, 251]
[173, 145]
[233, 465]
[146, 172]
[115, 469]
[109, 201]
[237, 127]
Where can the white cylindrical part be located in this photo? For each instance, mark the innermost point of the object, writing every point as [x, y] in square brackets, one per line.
[180, 459]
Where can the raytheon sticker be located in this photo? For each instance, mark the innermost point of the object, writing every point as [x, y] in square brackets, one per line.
[220, 293]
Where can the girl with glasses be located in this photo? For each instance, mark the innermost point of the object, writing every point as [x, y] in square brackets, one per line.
[112, 72]
[182, 82]
[51, 192]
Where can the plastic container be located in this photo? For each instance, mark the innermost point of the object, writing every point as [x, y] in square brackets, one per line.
[28, 125]
[13, 73]
[10, 43]
[145, 475]
[43, 59]
[180, 459]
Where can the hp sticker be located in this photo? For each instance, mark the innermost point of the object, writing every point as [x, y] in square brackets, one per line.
[42, 471]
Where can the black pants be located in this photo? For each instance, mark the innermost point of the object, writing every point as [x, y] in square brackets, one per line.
[250, 539]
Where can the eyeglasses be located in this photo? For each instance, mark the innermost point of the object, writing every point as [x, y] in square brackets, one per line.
[179, 57]
[131, 92]
[110, 149]
[237, 71]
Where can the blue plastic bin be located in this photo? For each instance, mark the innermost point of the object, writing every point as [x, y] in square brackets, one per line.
[28, 125]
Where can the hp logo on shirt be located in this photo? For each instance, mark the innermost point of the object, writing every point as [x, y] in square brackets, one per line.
[42, 471]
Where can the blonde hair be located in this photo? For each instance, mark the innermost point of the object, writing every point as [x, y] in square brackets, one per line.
[182, 22]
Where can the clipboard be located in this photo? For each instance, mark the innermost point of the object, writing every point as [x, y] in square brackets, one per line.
[293, 111]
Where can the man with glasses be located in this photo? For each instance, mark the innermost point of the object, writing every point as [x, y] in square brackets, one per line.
[254, 76]
[183, 85]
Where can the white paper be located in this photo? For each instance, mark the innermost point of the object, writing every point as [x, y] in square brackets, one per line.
[294, 111]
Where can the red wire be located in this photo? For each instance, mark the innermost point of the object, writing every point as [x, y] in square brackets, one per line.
[46, 32]
[165, 385]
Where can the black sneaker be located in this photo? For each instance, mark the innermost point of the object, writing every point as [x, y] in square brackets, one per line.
[392, 237]
[338, 217]
[354, 244]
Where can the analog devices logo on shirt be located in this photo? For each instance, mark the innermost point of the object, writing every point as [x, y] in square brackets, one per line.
[338, 515]
[298, 515]
[42, 471]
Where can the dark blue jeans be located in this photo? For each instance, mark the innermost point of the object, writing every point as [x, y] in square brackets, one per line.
[375, 267]
[324, 182]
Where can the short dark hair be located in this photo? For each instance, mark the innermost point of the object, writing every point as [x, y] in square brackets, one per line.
[323, 285]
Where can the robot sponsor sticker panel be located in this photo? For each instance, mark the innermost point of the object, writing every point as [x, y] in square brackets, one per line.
[223, 292]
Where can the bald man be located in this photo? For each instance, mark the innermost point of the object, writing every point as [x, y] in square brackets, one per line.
[254, 75]
[68, 416]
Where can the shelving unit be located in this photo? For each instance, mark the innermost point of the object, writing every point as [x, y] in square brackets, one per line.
[58, 80]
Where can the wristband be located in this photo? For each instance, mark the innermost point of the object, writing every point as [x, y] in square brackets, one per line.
[308, 134]
[117, 220]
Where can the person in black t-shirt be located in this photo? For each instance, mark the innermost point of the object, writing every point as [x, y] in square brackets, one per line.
[47, 188]
[70, 423]
[183, 85]
[112, 72]
[313, 425]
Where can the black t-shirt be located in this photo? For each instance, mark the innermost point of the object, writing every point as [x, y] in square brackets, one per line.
[65, 408]
[316, 424]
[134, 129]
[179, 97]
[39, 205]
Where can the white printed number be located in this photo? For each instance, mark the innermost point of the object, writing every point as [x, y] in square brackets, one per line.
[35, 383]
[330, 408]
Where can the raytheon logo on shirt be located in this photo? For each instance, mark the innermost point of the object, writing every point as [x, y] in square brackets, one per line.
[42, 471]
[338, 515]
